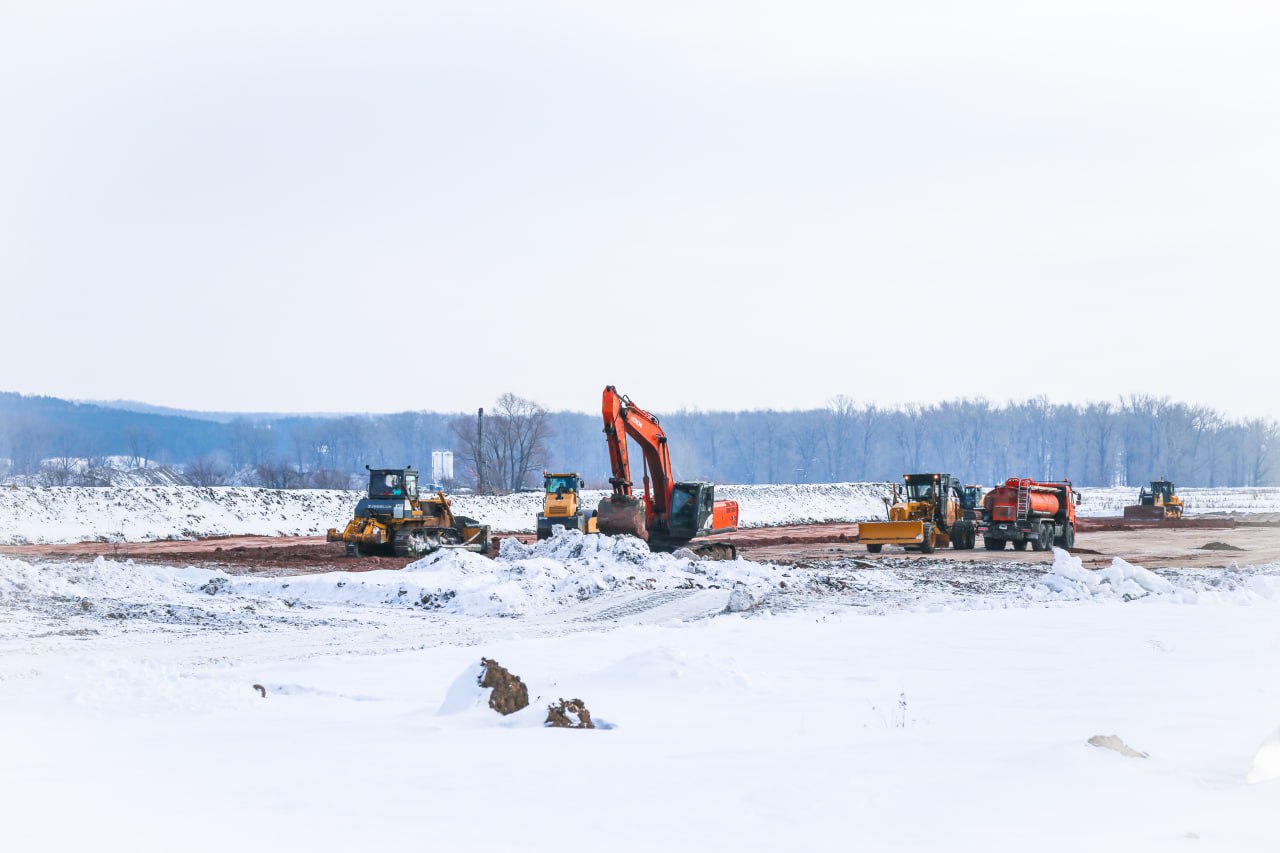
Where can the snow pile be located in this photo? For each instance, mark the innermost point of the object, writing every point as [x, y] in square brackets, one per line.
[21, 582]
[1069, 580]
[524, 579]
[1266, 763]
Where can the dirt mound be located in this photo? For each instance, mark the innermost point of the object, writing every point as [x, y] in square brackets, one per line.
[508, 692]
[569, 715]
[1218, 546]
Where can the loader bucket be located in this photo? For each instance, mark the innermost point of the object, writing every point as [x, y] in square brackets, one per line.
[618, 516]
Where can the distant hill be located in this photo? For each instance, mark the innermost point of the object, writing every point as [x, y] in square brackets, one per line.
[217, 417]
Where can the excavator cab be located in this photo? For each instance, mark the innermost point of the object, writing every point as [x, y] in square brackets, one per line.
[971, 502]
[691, 509]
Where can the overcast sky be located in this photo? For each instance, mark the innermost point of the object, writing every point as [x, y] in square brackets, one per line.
[378, 206]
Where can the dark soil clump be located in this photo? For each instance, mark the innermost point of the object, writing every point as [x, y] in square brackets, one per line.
[509, 693]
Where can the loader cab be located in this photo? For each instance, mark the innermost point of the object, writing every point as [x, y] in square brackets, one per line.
[561, 484]
[393, 484]
[561, 494]
[691, 508]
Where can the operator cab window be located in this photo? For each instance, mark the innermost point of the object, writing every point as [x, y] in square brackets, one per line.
[557, 484]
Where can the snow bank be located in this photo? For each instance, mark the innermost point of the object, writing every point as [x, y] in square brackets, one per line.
[1100, 503]
[140, 514]
[566, 569]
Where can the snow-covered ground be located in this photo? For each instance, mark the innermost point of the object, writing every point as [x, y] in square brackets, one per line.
[904, 705]
[1201, 501]
[70, 514]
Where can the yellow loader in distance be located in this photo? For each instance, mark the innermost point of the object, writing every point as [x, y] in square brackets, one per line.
[562, 505]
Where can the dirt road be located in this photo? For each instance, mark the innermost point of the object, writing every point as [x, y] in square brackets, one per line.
[1150, 544]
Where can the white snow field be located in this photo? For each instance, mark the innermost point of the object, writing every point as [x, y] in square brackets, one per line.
[903, 705]
[139, 514]
[144, 513]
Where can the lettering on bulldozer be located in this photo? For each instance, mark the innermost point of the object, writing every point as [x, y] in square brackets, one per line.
[394, 520]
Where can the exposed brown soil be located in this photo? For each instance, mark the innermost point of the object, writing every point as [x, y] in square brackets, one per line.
[1219, 546]
[1155, 542]
[569, 715]
[508, 693]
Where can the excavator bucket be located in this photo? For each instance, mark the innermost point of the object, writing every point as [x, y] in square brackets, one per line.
[618, 516]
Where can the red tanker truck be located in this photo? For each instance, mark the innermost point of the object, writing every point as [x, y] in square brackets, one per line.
[1024, 511]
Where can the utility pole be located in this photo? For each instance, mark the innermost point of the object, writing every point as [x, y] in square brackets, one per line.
[480, 451]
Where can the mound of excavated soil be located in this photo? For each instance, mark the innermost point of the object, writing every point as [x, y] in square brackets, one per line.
[569, 715]
[508, 692]
[1218, 546]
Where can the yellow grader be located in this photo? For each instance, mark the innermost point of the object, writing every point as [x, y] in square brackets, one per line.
[395, 520]
[927, 512]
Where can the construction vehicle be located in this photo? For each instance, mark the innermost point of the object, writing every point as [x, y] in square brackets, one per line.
[1159, 503]
[926, 512]
[670, 515]
[1023, 512]
[395, 520]
[971, 503]
[561, 507]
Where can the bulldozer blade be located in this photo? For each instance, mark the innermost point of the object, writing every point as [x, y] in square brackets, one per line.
[1144, 512]
[618, 516]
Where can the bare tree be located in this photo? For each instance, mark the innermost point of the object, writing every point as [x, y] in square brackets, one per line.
[513, 444]
[207, 471]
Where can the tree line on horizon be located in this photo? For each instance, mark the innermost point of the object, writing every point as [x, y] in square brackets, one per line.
[1127, 442]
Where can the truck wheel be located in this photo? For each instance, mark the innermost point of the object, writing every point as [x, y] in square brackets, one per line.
[993, 543]
[926, 541]
[1019, 544]
[1040, 542]
[874, 548]
[1069, 538]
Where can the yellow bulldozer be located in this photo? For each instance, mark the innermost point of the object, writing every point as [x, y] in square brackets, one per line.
[927, 512]
[394, 520]
[562, 506]
[1158, 503]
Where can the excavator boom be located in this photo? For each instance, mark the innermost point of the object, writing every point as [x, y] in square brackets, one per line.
[669, 514]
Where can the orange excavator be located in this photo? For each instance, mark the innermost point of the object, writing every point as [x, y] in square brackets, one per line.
[671, 514]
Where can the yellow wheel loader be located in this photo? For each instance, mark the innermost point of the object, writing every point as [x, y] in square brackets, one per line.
[1158, 503]
[926, 513]
[562, 506]
[395, 520]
